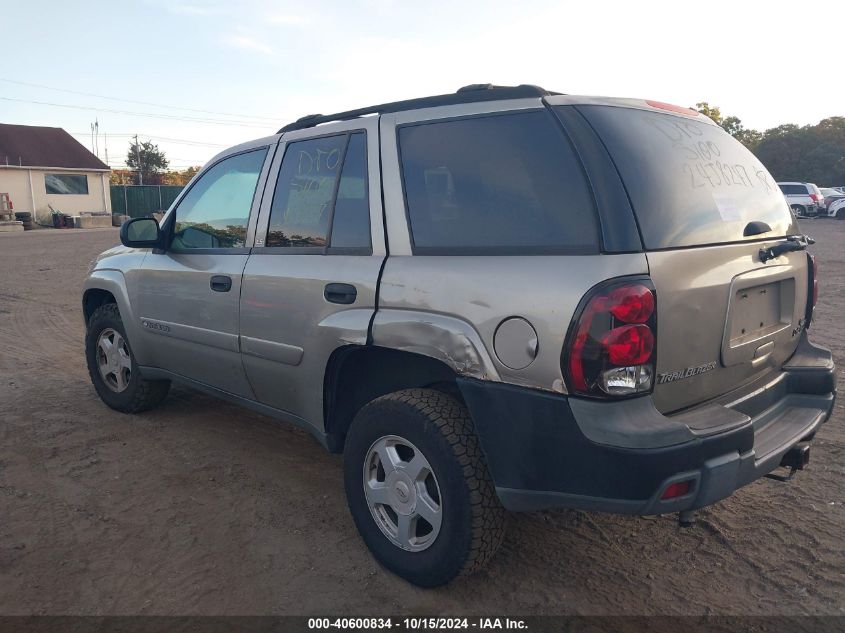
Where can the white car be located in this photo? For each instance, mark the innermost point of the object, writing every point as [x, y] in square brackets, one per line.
[836, 209]
[804, 198]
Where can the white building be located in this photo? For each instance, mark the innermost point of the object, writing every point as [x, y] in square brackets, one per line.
[43, 167]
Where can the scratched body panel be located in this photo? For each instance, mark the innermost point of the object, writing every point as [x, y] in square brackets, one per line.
[479, 293]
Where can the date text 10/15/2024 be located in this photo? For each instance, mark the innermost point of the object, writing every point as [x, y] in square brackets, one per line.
[417, 624]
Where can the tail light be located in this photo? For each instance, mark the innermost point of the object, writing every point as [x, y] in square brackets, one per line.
[815, 197]
[812, 288]
[610, 348]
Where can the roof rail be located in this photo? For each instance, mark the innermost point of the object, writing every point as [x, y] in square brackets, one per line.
[468, 94]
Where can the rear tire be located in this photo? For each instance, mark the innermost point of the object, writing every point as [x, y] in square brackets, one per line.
[123, 389]
[799, 210]
[470, 525]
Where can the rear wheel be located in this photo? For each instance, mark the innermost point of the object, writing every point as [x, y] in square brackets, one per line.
[112, 366]
[418, 487]
[799, 210]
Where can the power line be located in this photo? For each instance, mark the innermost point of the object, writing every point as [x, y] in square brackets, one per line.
[148, 103]
[148, 115]
[178, 141]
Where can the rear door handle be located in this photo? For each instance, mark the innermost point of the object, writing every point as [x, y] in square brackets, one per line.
[340, 293]
[221, 283]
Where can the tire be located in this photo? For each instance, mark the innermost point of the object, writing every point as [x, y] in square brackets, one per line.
[799, 210]
[136, 394]
[23, 216]
[472, 521]
[840, 214]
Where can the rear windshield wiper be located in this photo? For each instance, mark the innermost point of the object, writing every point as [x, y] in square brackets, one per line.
[792, 243]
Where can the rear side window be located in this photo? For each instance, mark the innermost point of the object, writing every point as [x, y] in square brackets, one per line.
[795, 190]
[502, 183]
[311, 208]
[351, 222]
[305, 188]
[690, 182]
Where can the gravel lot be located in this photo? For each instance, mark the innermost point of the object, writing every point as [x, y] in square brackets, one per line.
[201, 507]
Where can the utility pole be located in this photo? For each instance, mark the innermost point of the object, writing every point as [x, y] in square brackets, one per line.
[138, 158]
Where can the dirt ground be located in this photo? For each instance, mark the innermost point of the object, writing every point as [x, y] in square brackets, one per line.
[201, 507]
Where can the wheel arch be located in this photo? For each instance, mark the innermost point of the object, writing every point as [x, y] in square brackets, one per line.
[356, 375]
[109, 286]
[93, 298]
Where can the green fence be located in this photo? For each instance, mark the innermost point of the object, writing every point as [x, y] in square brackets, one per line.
[137, 201]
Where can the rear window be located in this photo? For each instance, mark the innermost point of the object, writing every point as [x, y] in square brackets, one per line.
[795, 190]
[501, 183]
[690, 183]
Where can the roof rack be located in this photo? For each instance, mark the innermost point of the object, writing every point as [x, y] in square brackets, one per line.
[468, 94]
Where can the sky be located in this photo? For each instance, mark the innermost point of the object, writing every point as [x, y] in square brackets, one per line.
[196, 76]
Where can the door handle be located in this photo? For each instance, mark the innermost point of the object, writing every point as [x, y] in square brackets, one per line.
[221, 283]
[340, 293]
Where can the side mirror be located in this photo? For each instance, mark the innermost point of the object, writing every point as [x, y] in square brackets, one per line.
[140, 233]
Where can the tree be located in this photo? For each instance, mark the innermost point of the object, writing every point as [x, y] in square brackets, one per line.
[812, 153]
[710, 111]
[121, 177]
[809, 153]
[179, 178]
[731, 124]
[148, 161]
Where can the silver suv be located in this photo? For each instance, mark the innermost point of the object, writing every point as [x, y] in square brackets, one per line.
[497, 299]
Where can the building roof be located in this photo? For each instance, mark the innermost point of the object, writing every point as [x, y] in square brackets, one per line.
[36, 146]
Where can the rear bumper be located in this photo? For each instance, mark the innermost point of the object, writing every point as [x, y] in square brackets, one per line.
[546, 450]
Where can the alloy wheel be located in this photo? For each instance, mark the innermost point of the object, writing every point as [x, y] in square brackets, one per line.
[402, 493]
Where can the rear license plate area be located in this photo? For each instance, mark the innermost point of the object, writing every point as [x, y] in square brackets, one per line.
[756, 312]
[760, 311]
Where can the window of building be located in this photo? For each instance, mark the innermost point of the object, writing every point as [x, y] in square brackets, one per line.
[66, 184]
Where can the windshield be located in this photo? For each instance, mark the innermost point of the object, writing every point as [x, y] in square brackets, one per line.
[690, 183]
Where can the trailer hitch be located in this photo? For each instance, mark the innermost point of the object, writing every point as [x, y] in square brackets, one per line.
[795, 459]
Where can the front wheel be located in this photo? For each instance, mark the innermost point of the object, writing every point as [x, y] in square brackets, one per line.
[112, 366]
[418, 487]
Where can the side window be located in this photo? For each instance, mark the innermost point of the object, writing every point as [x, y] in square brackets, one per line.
[310, 207]
[510, 184]
[305, 189]
[215, 212]
[351, 224]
